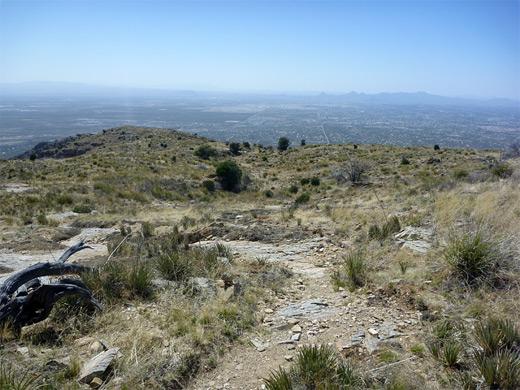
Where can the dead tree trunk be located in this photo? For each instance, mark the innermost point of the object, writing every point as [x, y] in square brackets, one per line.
[25, 300]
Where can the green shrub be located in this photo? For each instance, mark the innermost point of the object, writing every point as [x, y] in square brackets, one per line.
[502, 170]
[303, 198]
[305, 181]
[436, 147]
[82, 209]
[234, 148]
[473, 256]
[405, 161]
[293, 189]
[460, 174]
[206, 152]
[355, 266]
[229, 175]
[283, 144]
[209, 185]
[391, 226]
[140, 280]
[315, 181]
[315, 367]
[147, 229]
[268, 193]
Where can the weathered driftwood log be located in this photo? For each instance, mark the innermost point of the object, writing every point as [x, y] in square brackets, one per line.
[25, 300]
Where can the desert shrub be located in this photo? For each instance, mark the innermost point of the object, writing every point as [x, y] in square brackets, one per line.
[497, 356]
[391, 226]
[229, 175]
[405, 161]
[473, 256]
[9, 380]
[283, 144]
[147, 229]
[355, 266]
[315, 367]
[246, 145]
[139, 280]
[436, 147]
[460, 174]
[268, 193]
[293, 189]
[209, 185]
[305, 181]
[315, 181]
[82, 209]
[303, 142]
[502, 170]
[355, 171]
[206, 152]
[234, 148]
[303, 198]
[65, 199]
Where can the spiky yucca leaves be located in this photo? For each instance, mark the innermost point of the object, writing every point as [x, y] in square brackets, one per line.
[498, 358]
[355, 266]
[10, 381]
[473, 256]
[315, 367]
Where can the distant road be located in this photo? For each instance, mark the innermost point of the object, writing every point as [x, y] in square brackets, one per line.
[322, 128]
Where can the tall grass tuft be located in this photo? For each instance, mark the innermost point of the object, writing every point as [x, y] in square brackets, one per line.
[355, 266]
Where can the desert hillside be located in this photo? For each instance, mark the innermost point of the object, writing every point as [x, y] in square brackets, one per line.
[235, 266]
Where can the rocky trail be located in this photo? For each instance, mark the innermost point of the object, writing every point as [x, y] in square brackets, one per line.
[359, 325]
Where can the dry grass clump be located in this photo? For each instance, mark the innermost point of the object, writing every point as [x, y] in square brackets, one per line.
[352, 272]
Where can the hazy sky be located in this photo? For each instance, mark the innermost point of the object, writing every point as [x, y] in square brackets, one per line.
[442, 47]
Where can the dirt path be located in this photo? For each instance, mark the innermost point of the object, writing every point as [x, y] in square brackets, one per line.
[311, 312]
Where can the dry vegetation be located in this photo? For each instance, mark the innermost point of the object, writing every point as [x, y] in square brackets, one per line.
[165, 305]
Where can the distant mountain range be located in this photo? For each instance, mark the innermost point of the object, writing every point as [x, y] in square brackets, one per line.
[63, 89]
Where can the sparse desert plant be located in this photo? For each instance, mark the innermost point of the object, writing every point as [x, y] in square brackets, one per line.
[315, 367]
[315, 181]
[293, 189]
[460, 174]
[305, 181]
[355, 266]
[303, 198]
[234, 148]
[355, 170]
[450, 353]
[9, 380]
[405, 161]
[82, 209]
[209, 185]
[283, 144]
[391, 226]
[473, 256]
[268, 193]
[229, 175]
[173, 266]
[501, 370]
[205, 152]
[502, 170]
[139, 280]
[147, 230]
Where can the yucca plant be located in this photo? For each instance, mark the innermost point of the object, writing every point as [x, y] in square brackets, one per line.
[473, 256]
[278, 380]
[355, 267]
[451, 353]
[10, 381]
[315, 364]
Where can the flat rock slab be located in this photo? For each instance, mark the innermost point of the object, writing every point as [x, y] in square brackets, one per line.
[308, 309]
[97, 366]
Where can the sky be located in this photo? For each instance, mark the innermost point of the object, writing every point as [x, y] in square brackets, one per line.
[451, 48]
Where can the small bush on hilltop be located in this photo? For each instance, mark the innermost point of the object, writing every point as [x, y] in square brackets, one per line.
[283, 144]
